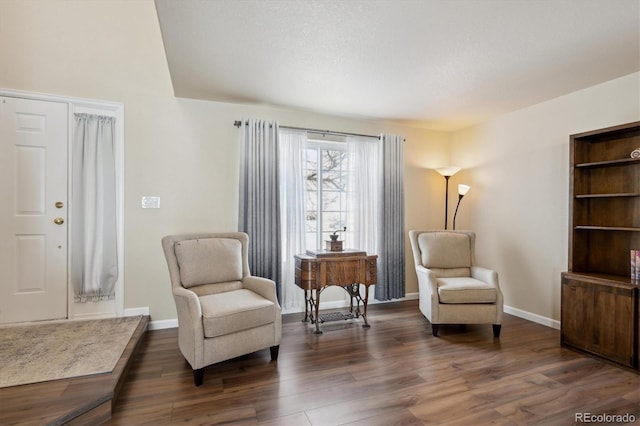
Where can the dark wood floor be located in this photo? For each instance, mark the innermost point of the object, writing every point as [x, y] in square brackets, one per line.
[396, 372]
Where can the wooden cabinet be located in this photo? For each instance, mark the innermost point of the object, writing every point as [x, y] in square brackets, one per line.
[600, 316]
[600, 308]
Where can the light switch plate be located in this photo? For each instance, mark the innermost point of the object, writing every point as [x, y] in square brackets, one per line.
[150, 202]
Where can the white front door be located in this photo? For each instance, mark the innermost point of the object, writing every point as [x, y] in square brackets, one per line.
[33, 210]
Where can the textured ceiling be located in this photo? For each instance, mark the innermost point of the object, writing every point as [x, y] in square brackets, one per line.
[431, 63]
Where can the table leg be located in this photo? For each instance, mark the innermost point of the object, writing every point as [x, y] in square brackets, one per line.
[317, 315]
[307, 304]
[365, 302]
[350, 291]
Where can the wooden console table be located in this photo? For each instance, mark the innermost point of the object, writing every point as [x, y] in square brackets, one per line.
[319, 269]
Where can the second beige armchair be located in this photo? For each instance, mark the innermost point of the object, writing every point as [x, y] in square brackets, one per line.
[452, 288]
[223, 311]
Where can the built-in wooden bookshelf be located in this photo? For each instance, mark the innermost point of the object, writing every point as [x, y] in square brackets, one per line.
[600, 309]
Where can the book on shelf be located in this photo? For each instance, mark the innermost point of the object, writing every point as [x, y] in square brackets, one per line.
[635, 266]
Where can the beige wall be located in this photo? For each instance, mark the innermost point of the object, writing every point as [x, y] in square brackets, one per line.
[518, 167]
[184, 151]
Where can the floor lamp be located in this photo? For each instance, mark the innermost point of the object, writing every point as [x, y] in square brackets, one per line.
[447, 172]
[462, 191]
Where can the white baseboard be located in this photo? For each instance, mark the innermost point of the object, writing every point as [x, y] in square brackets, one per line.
[153, 325]
[539, 319]
[161, 324]
[410, 296]
[172, 323]
[337, 304]
[529, 316]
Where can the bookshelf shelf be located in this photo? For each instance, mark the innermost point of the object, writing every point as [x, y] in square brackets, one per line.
[619, 162]
[618, 194]
[606, 228]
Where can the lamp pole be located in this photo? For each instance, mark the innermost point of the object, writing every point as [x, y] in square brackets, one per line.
[462, 191]
[447, 172]
[456, 213]
[446, 202]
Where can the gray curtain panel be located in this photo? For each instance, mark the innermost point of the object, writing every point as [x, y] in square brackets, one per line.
[94, 254]
[259, 209]
[391, 276]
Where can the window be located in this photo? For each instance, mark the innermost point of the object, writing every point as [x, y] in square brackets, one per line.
[325, 175]
[325, 185]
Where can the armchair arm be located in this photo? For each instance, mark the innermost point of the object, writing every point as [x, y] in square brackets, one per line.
[189, 303]
[263, 286]
[267, 289]
[490, 276]
[427, 279]
[190, 327]
[428, 293]
[487, 275]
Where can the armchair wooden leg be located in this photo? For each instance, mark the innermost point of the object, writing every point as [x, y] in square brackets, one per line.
[434, 330]
[274, 352]
[198, 376]
[496, 330]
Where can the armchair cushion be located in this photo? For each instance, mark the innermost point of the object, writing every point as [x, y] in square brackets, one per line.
[451, 272]
[205, 289]
[233, 311]
[209, 260]
[465, 290]
[451, 252]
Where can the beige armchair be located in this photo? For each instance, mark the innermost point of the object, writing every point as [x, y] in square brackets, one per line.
[223, 311]
[452, 289]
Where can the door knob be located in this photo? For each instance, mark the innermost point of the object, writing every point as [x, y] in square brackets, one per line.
[58, 221]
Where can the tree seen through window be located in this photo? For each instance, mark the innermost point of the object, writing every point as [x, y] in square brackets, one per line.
[325, 174]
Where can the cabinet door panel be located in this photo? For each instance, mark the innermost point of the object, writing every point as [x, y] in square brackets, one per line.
[576, 314]
[613, 331]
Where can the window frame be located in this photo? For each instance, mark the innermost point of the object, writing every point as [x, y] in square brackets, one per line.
[320, 146]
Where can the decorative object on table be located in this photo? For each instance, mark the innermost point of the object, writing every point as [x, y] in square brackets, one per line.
[447, 172]
[635, 153]
[462, 191]
[334, 244]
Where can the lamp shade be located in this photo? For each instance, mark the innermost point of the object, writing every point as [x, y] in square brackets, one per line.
[448, 171]
[463, 189]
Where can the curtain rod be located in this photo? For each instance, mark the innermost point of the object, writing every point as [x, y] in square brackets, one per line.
[238, 123]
